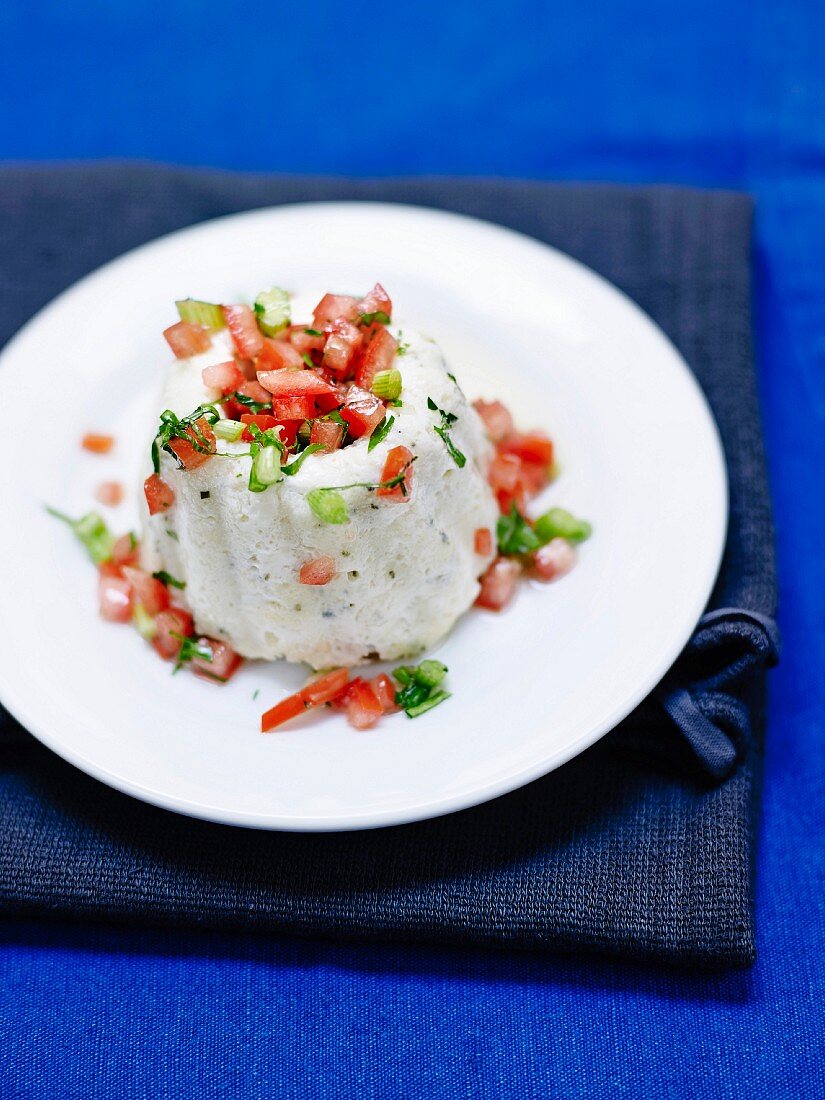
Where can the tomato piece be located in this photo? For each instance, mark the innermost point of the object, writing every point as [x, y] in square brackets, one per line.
[109, 493]
[483, 541]
[110, 569]
[115, 595]
[498, 585]
[293, 408]
[190, 456]
[327, 434]
[555, 559]
[398, 459]
[376, 356]
[318, 571]
[126, 550]
[186, 339]
[363, 706]
[304, 342]
[279, 355]
[159, 496]
[506, 479]
[384, 690]
[325, 688]
[224, 664]
[334, 307]
[147, 590]
[362, 411]
[294, 383]
[226, 377]
[284, 711]
[97, 444]
[497, 419]
[174, 620]
[530, 447]
[243, 328]
[255, 392]
[264, 421]
[341, 347]
[376, 301]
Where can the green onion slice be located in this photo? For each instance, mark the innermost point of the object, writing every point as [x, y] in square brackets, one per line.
[265, 469]
[201, 313]
[515, 535]
[387, 384]
[144, 622]
[230, 430]
[272, 310]
[559, 523]
[328, 505]
[428, 704]
[92, 531]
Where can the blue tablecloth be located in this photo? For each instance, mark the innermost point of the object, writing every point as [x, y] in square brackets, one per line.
[728, 93]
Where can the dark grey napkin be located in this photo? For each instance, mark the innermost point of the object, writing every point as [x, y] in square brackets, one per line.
[641, 847]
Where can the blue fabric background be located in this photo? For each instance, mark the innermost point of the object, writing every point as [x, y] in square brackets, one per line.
[729, 92]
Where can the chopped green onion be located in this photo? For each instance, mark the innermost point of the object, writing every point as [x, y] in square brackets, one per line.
[144, 622]
[428, 704]
[307, 358]
[430, 673]
[294, 466]
[387, 384]
[92, 531]
[168, 579]
[265, 469]
[370, 318]
[201, 313]
[230, 430]
[559, 523]
[515, 535]
[380, 432]
[328, 505]
[404, 674]
[272, 310]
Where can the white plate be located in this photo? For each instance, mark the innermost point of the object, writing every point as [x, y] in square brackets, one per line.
[640, 457]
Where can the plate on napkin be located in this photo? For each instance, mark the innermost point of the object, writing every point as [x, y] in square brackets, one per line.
[532, 687]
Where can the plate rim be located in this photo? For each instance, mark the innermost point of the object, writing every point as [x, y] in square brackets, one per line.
[441, 806]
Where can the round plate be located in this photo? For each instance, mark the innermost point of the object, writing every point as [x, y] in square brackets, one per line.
[639, 453]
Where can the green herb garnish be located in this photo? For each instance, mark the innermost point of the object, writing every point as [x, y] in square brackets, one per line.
[447, 421]
[380, 432]
[248, 402]
[419, 691]
[294, 466]
[515, 535]
[92, 531]
[312, 332]
[370, 318]
[190, 647]
[167, 579]
[184, 427]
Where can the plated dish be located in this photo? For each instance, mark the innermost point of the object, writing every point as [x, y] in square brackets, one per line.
[635, 451]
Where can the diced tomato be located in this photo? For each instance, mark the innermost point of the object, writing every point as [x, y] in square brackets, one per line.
[531, 447]
[376, 356]
[190, 456]
[327, 433]
[318, 571]
[159, 496]
[294, 383]
[279, 355]
[497, 419]
[363, 706]
[97, 444]
[293, 408]
[506, 478]
[186, 339]
[334, 307]
[325, 688]
[126, 550]
[342, 344]
[376, 301]
[109, 493]
[148, 590]
[498, 584]
[555, 559]
[243, 328]
[226, 377]
[398, 459]
[362, 411]
[255, 392]
[304, 342]
[284, 711]
[110, 569]
[483, 541]
[224, 664]
[264, 421]
[174, 620]
[384, 690]
[115, 598]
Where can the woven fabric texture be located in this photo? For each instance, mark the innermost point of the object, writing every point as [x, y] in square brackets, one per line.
[631, 849]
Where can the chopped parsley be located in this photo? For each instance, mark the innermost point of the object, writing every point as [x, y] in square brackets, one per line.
[370, 318]
[167, 579]
[184, 427]
[515, 535]
[447, 421]
[380, 432]
[191, 647]
[248, 402]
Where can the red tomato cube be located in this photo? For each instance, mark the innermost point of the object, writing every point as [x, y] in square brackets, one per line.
[284, 711]
[172, 621]
[189, 455]
[530, 447]
[483, 541]
[147, 590]
[186, 339]
[506, 479]
[376, 356]
[318, 571]
[362, 411]
[332, 308]
[325, 688]
[226, 377]
[399, 459]
[159, 496]
[498, 585]
[363, 706]
[497, 419]
[377, 301]
[224, 664]
[555, 559]
[295, 383]
[384, 690]
[115, 595]
[342, 344]
[109, 493]
[126, 550]
[327, 434]
[97, 444]
[279, 355]
[255, 392]
[293, 408]
[243, 328]
[304, 342]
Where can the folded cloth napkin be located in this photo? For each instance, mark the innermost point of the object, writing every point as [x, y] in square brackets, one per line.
[643, 846]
